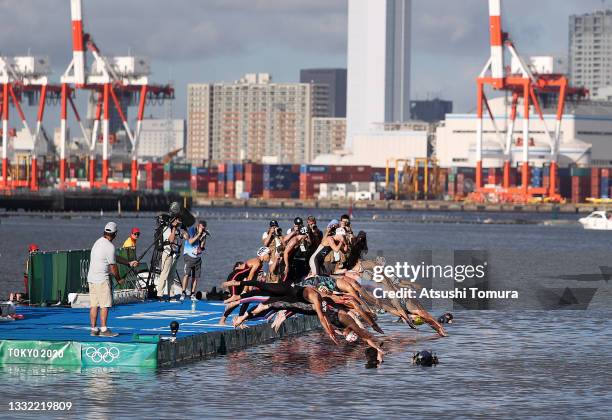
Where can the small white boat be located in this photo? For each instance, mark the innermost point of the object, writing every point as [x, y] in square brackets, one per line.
[598, 220]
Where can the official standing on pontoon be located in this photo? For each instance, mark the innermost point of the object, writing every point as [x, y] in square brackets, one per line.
[102, 263]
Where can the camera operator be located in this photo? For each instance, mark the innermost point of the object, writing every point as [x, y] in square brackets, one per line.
[298, 223]
[273, 239]
[317, 234]
[192, 256]
[345, 223]
[171, 236]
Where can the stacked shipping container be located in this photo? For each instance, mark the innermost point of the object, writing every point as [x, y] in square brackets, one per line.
[311, 176]
[581, 184]
[151, 176]
[200, 177]
[303, 181]
[177, 177]
[605, 183]
[281, 181]
[253, 179]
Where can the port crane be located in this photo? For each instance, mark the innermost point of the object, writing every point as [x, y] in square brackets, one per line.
[524, 82]
[24, 78]
[108, 78]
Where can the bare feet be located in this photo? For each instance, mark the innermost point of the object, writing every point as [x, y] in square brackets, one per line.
[238, 320]
[232, 299]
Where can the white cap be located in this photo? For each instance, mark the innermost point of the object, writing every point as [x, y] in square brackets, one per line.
[111, 227]
[340, 231]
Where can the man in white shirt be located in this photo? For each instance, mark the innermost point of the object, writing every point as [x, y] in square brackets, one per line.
[102, 263]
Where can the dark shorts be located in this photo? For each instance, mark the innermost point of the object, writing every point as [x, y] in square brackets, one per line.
[193, 266]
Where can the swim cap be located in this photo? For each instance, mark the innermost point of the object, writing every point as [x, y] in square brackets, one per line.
[303, 230]
[417, 320]
[351, 337]
[273, 223]
[298, 221]
[340, 231]
[263, 251]
[334, 222]
[424, 358]
[446, 318]
[33, 248]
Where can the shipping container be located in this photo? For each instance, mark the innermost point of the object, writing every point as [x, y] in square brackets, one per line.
[580, 189]
[212, 189]
[595, 182]
[238, 189]
[604, 187]
[309, 169]
[580, 172]
[221, 169]
[177, 186]
[229, 172]
[238, 172]
[281, 194]
[199, 170]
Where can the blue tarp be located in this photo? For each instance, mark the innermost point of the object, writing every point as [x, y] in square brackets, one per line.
[149, 318]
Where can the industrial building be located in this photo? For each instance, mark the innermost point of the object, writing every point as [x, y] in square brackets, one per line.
[328, 92]
[383, 145]
[160, 137]
[585, 137]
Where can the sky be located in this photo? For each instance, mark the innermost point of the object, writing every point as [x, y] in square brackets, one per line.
[190, 41]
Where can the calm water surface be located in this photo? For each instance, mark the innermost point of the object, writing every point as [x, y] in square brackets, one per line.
[520, 359]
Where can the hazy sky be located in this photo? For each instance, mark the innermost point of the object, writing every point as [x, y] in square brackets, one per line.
[219, 40]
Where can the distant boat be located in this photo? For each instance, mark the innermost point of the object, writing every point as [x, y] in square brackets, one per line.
[598, 220]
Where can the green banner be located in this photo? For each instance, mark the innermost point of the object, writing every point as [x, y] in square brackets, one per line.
[52, 275]
[63, 353]
[69, 353]
[119, 354]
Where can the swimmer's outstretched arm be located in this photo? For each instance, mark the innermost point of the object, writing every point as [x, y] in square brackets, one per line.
[315, 299]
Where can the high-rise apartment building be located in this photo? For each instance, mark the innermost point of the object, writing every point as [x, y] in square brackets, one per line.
[378, 64]
[590, 51]
[199, 120]
[328, 135]
[328, 91]
[251, 118]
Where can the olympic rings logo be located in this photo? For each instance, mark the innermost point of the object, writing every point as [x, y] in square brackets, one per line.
[102, 354]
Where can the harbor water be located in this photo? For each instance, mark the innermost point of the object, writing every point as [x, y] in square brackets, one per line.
[542, 354]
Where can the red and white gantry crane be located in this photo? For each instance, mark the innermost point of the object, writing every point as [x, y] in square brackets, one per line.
[523, 83]
[106, 76]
